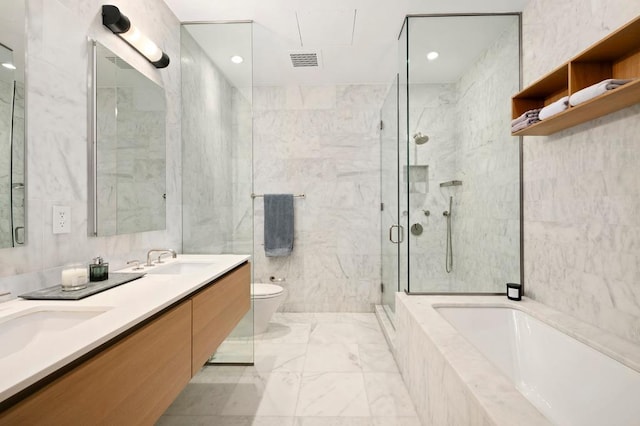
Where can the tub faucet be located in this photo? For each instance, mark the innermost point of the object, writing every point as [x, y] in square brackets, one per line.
[161, 251]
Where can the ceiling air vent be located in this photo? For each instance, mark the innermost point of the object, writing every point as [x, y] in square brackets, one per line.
[304, 59]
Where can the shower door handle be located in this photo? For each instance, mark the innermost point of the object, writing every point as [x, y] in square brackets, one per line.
[400, 234]
[16, 233]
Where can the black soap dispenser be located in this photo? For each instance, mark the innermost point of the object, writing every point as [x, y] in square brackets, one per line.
[98, 270]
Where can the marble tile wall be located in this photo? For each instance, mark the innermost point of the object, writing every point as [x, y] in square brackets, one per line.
[469, 140]
[581, 185]
[242, 161]
[433, 113]
[57, 137]
[486, 208]
[207, 139]
[132, 167]
[324, 142]
[217, 138]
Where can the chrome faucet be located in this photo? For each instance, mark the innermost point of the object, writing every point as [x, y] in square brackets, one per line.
[161, 251]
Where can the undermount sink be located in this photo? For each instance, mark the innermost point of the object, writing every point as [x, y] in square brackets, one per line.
[20, 329]
[179, 268]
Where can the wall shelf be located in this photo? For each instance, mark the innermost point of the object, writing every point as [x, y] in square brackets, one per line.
[615, 56]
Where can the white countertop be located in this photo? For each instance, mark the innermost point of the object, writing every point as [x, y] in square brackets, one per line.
[124, 307]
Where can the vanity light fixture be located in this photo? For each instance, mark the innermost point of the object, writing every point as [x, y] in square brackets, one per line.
[432, 55]
[9, 65]
[121, 26]
[237, 59]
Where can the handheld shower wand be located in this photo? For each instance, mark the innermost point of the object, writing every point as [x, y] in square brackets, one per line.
[448, 263]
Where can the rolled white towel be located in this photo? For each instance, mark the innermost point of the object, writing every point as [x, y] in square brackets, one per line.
[595, 90]
[554, 108]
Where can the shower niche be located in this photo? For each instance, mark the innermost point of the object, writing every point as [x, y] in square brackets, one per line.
[417, 178]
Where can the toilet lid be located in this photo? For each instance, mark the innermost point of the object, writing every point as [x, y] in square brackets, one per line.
[265, 290]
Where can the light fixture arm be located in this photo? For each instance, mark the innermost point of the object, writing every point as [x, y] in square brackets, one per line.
[121, 26]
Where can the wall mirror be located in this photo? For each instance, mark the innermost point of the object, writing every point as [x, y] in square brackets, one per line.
[127, 148]
[12, 125]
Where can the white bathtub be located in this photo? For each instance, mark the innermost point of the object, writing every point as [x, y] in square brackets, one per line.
[568, 381]
[484, 360]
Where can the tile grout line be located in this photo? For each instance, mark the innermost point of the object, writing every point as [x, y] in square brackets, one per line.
[295, 409]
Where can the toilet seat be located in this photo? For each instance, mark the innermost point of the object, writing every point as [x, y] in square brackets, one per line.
[265, 291]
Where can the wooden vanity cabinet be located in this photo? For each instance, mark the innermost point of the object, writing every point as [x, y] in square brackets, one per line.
[135, 379]
[130, 382]
[217, 309]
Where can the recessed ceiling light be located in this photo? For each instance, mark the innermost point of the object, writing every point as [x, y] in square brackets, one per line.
[432, 55]
[237, 59]
[9, 65]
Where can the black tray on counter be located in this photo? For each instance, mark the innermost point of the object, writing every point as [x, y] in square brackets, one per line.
[56, 293]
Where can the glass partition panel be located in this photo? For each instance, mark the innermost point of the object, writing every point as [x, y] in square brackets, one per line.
[462, 164]
[403, 140]
[217, 153]
[389, 196]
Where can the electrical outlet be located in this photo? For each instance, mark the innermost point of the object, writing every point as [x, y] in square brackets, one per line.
[61, 219]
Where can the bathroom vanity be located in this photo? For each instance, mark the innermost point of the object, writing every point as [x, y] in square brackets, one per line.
[121, 356]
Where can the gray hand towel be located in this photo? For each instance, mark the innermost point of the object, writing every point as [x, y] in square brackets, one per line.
[278, 224]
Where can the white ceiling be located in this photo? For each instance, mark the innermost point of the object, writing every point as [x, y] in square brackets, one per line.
[459, 40]
[357, 39]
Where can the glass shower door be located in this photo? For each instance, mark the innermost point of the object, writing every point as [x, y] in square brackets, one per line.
[389, 197]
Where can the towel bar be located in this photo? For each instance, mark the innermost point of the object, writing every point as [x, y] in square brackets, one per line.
[262, 195]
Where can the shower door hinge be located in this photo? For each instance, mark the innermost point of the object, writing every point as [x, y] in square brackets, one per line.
[381, 287]
[381, 207]
[381, 125]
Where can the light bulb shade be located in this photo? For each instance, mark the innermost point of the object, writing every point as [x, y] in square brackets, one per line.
[120, 25]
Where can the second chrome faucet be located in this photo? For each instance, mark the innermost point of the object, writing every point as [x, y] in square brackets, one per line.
[161, 253]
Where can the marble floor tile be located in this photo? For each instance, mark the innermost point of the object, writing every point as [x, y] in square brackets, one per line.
[396, 421]
[289, 332]
[269, 394]
[225, 374]
[332, 357]
[272, 421]
[377, 358]
[167, 420]
[388, 395]
[202, 399]
[311, 369]
[225, 421]
[342, 332]
[333, 421]
[294, 318]
[279, 356]
[332, 394]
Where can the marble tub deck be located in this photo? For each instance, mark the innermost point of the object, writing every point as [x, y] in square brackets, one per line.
[310, 370]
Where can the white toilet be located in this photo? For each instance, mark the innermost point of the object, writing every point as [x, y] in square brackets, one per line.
[266, 300]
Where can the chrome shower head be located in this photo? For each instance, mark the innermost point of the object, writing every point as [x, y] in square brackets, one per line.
[420, 139]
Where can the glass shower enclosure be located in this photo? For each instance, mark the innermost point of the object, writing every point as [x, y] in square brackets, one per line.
[217, 153]
[458, 167]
